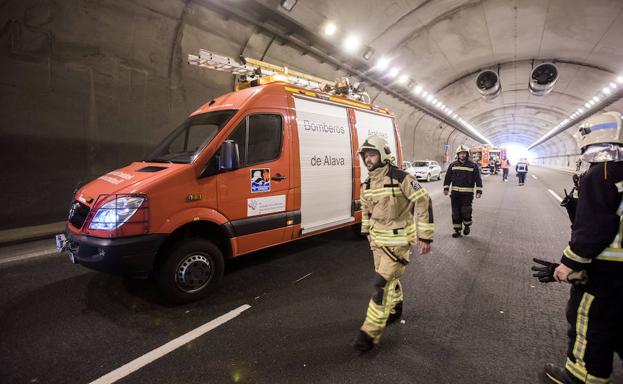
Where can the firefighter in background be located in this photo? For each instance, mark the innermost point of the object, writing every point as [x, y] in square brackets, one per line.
[505, 167]
[463, 177]
[595, 309]
[522, 170]
[389, 199]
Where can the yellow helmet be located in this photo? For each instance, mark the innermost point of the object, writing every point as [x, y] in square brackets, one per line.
[379, 144]
[462, 148]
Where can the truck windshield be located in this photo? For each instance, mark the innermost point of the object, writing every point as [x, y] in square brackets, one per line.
[187, 140]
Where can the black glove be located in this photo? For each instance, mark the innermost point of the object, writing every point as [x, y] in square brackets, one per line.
[544, 271]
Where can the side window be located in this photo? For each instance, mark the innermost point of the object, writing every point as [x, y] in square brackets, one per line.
[264, 138]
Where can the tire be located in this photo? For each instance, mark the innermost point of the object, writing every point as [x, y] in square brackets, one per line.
[428, 178]
[190, 271]
[439, 176]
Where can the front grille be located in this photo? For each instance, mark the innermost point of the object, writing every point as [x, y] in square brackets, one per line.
[78, 214]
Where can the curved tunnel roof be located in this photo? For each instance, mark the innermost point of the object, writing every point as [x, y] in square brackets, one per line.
[443, 45]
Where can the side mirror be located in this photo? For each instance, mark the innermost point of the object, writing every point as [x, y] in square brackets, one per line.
[228, 156]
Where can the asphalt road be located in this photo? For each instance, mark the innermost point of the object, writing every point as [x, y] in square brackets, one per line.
[473, 313]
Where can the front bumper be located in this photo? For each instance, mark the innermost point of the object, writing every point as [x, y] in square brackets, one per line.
[133, 256]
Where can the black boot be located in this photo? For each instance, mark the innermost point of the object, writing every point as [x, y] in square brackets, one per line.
[362, 342]
[456, 234]
[396, 315]
[556, 374]
[466, 230]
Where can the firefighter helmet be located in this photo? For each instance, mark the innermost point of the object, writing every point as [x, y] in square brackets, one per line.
[378, 144]
[600, 129]
[462, 148]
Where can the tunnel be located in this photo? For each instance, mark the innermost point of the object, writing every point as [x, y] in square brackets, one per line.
[241, 258]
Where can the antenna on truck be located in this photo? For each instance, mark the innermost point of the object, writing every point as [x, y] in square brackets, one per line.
[252, 72]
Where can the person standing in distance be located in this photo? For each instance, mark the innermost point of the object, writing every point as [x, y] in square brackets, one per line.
[464, 177]
[390, 198]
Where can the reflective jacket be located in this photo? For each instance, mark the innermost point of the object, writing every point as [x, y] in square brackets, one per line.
[506, 164]
[388, 199]
[597, 229]
[463, 177]
[521, 167]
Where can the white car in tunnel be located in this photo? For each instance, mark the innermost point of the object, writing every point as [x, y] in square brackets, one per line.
[425, 170]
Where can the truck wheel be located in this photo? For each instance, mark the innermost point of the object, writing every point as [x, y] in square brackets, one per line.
[191, 269]
[428, 178]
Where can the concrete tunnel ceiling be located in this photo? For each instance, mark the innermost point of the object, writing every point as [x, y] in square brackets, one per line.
[443, 45]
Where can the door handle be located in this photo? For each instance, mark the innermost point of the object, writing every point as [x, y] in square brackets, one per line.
[278, 177]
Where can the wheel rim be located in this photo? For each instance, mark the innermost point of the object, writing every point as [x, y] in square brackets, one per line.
[194, 273]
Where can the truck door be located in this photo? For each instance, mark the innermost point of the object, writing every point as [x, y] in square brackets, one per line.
[367, 124]
[253, 197]
[326, 163]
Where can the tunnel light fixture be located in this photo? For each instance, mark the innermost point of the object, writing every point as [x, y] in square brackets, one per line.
[351, 44]
[424, 94]
[329, 28]
[382, 64]
[596, 98]
[368, 52]
[620, 79]
[418, 89]
[393, 72]
[288, 4]
[403, 79]
[606, 91]
[429, 98]
[587, 105]
[612, 85]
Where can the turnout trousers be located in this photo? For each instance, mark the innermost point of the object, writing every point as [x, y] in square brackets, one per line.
[461, 209]
[387, 295]
[522, 177]
[595, 316]
[504, 173]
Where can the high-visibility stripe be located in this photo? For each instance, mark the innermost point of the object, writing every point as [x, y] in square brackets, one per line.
[575, 257]
[467, 222]
[611, 254]
[457, 168]
[581, 328]
[417, 194]
[462, 189]
[619, 186]
[457, 226]
[582, 374]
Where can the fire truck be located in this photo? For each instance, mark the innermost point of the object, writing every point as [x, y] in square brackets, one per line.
[488, 158]
[272, 162]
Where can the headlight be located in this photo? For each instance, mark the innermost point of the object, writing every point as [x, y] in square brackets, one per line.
[116, 212]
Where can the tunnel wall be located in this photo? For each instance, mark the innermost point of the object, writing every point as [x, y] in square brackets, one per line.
[87, 87]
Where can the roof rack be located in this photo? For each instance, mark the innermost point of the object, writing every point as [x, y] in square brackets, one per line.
[252, 72]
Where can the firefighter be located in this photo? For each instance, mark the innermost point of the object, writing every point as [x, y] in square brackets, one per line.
[389, 199]
[463, 174]
[595, 309]
[521, 168]
[505, 167]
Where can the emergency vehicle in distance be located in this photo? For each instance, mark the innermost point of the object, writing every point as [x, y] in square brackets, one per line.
[488, 158]
[272, 162]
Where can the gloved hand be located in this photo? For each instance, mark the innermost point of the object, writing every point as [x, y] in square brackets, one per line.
[570, 204]
[445, 192]
[544, 271]
[478, 195]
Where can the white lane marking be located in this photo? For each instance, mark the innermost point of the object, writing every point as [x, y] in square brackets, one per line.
[535, 178]
[32, 255]
[172, 345]
[304, 277]
[555, 195]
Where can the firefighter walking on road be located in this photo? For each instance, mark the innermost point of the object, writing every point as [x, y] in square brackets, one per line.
[505, 167]
[389, 198]
[595, 309]
[463, 178]
[522, 170]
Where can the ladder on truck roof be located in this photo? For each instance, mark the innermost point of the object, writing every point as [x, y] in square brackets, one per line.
[254, 72]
